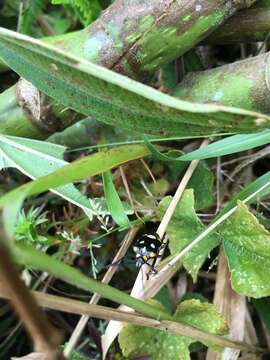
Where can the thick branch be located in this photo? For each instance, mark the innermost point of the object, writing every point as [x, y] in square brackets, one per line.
[25, 111]
[250, 25]
[244, 84]
[138, 37]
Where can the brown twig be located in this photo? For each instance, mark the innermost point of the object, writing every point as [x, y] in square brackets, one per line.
[45, 338]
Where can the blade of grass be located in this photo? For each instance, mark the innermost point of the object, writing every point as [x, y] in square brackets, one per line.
[229, 145]
[80, 169]
[28, 256]
[45, 158]
[114, 203]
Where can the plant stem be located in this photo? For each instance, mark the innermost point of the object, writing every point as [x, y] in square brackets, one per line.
[250, 88]
[178, 194]
[25, 111]
[46, 339]
[250, 25]
[101, 312]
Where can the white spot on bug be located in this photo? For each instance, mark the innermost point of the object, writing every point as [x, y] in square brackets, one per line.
[152, 246]
[151, 236]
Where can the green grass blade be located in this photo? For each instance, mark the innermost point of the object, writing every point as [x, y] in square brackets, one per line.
[80, 169]
[28, 256]
[39, 158]
[159, 155]
[114, 203]
[230, 145]
[252, 188]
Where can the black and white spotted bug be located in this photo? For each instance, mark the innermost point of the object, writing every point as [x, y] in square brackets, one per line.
[148, 250]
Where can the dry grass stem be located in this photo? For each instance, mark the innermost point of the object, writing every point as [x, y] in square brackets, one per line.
[101, 312]
[46, 338]
[177, 196]
[232, 306]
[250, 331]
[124, 179]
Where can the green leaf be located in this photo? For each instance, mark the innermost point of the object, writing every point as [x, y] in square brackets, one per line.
[87, 10]
[80, 169]
[202, 315]
[38, 158]
[183, 228]
[202, 182]
[114, 203]
[159, 155]
[230, 145]
[247, 248]
[164, 297]
[136, 341]
[115, 99]
[77, 356]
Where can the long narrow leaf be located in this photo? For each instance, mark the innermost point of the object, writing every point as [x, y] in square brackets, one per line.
[80, 169]
[115, 99]
[252, 188]
[114, 203]
[28, 256]
[230, 145]
[38, 158]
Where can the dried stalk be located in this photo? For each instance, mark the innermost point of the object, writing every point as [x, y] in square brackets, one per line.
[232, 306]
[46, 338]
[102, 312]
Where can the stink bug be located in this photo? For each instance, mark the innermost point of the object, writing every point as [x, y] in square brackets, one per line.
[148, 250]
